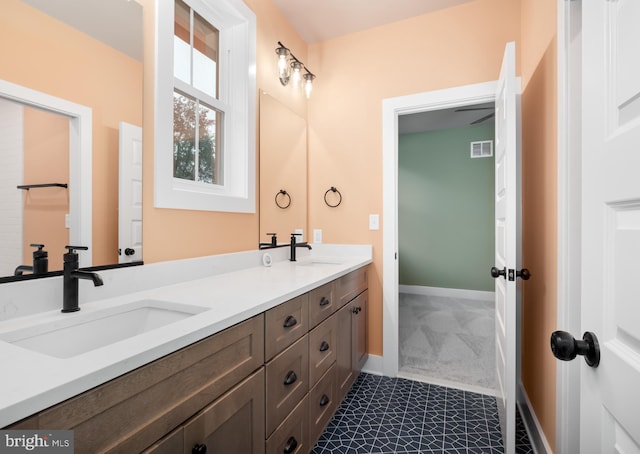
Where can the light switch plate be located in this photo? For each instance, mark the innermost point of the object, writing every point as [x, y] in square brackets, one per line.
[317, 236]
[374, 222]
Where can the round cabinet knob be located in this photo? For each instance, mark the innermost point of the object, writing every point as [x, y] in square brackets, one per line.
[200, 448]
[565, 347]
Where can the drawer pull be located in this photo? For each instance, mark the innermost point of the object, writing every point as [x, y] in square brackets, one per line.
[290, 378]
[324, 301]
[291, 445]
[324, 400]
[324, 346]
[290, 321]
[199, 449]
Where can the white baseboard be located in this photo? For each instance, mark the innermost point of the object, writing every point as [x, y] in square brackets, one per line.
[534, 429]
[373, 365]
[447, 292]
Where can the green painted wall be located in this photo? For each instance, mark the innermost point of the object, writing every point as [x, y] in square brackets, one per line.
[445, 210]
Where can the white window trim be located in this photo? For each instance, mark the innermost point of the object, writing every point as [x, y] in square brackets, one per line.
[237, 25]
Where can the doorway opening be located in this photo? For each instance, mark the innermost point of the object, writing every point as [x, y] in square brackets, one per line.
[393, 109]
[446, 232]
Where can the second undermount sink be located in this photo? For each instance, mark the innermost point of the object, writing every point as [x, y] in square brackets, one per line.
[319, 261]
[66, 336]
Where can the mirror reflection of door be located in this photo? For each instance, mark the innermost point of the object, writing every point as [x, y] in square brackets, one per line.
[130, 193]
[34, 149]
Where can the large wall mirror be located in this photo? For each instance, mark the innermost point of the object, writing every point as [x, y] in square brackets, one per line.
[283, 170]
[87, 53]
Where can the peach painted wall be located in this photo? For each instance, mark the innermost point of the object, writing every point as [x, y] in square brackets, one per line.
[173, 234]
[539, 206]
[46, 160]
[457, 46]
[80, 69]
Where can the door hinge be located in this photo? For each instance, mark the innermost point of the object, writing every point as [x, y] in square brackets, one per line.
[512, 274]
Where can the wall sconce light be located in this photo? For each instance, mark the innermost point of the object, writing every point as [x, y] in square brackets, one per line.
[290, 68]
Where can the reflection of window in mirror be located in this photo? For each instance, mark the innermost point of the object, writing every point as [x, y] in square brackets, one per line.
[211, 90]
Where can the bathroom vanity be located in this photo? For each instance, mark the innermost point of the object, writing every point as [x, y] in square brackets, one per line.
[260, 378]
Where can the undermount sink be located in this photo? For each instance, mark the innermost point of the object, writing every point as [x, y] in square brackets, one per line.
[318, 261]
[66, 335]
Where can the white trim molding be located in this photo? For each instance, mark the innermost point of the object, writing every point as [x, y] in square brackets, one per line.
[392, 108]
[448, 292]
[80, 158]
[539, 442]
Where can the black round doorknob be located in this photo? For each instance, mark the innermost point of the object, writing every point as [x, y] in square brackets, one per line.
[523, 274]
[565, 347]
[129, 251]
[495, 272]
[200, 448]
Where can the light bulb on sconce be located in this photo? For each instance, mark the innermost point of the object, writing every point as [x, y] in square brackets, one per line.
[283, 65]
[288, 64]
[296, 77]
[308, 83]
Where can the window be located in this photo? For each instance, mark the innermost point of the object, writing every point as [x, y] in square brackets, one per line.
[205, 106]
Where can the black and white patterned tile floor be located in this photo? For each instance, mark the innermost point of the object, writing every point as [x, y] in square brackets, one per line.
[392, 415]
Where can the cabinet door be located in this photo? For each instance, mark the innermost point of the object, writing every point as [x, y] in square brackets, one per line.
[284, 324]
[359, 332]
[322, 303]
[351, 285]
[344, 350]
[232, 424]
[322, 349]
[287, 382]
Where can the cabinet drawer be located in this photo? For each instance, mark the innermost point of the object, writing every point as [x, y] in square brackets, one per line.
[234, 423]
[322, 404]
[171, 444]
[287, 382]
[322, 349]
[286, 323]
[322, 304]
[351, 285]
[133, 411]
[292, 436]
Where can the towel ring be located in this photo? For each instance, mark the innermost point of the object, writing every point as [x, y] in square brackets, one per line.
[332, 189]
[283, 193]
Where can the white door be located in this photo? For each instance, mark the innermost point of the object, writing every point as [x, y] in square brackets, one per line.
[130, 194]
[610, 393]
[506, 243]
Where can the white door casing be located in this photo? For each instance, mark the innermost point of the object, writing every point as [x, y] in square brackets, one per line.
[610, 393]
[130, 194]
[506, 243]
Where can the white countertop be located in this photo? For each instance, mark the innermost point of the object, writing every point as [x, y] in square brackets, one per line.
[32, 381]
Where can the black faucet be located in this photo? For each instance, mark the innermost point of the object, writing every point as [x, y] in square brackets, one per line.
[295, 245]
[272, 244]
[40, 262]
[71, 276]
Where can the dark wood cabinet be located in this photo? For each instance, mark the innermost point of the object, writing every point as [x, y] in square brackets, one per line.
[352, 343]
[268, 384]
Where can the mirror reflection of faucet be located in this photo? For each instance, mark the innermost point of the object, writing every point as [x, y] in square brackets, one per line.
[40, 262]
[293, 244]
[71, 276]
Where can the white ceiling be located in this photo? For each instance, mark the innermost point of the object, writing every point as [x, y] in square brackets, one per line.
[116, 23]
[445, 119]
[319, 20]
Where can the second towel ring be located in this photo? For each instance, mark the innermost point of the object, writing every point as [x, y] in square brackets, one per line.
[283, 193]
[334, 190]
